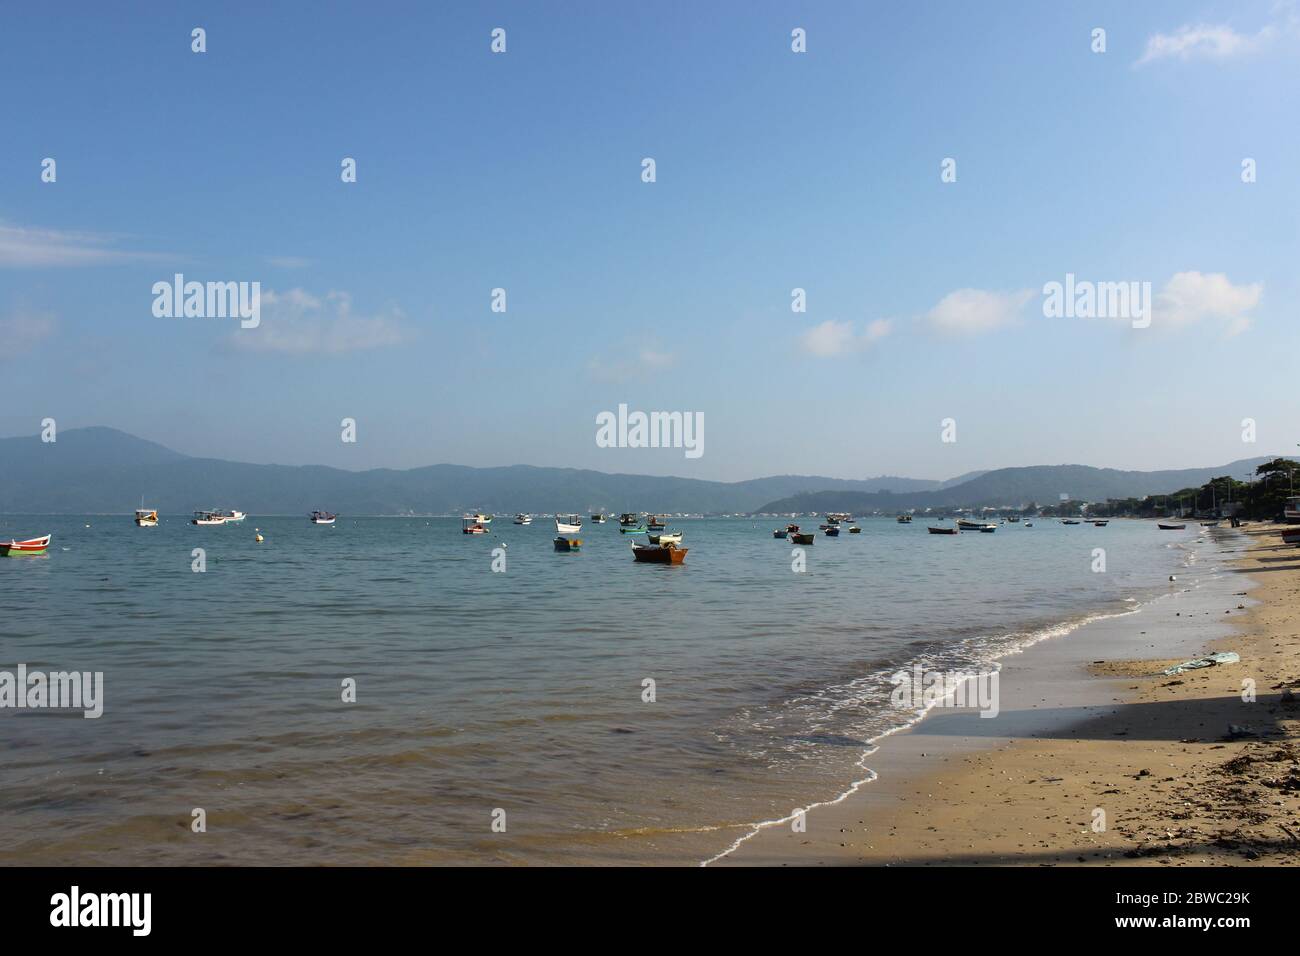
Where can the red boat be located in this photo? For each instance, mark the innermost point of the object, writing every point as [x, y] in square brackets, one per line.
[666, 554]
[30, 546]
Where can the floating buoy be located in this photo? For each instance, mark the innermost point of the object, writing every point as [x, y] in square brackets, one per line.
[259, 535]
[1172, 578]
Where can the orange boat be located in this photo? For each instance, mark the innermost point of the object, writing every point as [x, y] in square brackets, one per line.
[665, 554]
[30, 546]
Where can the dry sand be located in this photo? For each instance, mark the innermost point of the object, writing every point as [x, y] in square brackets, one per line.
[1153, 754]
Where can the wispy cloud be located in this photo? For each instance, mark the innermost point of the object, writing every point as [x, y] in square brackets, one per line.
[22, 331]
[972, 311]
[1219, 41]
[22, 247]
[642, 363]
[832, 339]
[299, 322]
[1192, 296]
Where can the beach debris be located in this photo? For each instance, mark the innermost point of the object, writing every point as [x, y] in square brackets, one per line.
[1211, 660]
[1237, 731]
[1289, 699]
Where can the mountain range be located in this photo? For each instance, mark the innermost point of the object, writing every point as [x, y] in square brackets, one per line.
[105, 471]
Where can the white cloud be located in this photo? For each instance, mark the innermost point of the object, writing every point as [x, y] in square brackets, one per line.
[831, 338]
[26, 248]
[1218, 41]
[299, 322]
[1192, 296]
[971, 311]
[22, 331]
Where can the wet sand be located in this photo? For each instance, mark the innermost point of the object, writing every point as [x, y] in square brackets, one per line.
[1096, 758]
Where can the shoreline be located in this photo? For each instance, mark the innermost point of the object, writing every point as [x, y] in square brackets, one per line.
[1094, 758]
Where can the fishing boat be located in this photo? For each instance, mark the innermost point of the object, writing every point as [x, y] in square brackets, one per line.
[1209, 524]
[1102, 522]
[854, 529]
[663, 554]
[934, 529]
[482, 519]
[1069, 521]
[802, 537]
[471, 525]
[831, 531]
[568, 524]
[567, 544]
[208, 518]
[16, 549]
[668, 537]
[598, 519]
[780, 533]
[639, 529]
[627, 519]
[146, 517]
[904, 519]
[1029, 524]
[523, 519]
[323, 517]
[966, 524]
[231, 517]
[1013, 518]
[656, 522]
[1170, 527]
[839, 517]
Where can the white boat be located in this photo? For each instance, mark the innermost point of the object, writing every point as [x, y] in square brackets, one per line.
[146, 517]
[483, 519]
[322, 517]
[208, 517]
[568, 524]
[231, 517]
[673, 537]
[523, 519]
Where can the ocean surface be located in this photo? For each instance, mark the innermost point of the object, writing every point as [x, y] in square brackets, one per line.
[513, 696]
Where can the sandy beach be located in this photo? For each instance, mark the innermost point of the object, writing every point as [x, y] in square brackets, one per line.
[1097, 758]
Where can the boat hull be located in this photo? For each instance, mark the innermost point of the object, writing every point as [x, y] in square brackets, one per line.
[943, 530]
[568, 544]
[30, 546]
[663, 555]
[802, 538]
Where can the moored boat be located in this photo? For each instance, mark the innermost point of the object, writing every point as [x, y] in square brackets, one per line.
[935, 529]
[639, 529]
[231, 517]
[568, 524]
[1170, 526]
[988, 529]
[471, 525]
[854, 529]
[567, 544]
[802, 537]
[667, 537]
[656, 522]
[663, 554]
[208, 518]
[598, 518]
[1069, 521]
[30, 546]
[1101, 522]
[323, 517]
[831, 531]
[522, 518]
[628, 519]
[904, 519]
[780, 533]
[146, 517]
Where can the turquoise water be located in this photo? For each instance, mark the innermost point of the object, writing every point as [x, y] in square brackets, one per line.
[480, 691]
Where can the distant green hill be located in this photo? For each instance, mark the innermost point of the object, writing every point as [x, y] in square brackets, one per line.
[1041, 484]
[102, 470]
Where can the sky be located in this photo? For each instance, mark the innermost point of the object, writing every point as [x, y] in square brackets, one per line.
[774, 170]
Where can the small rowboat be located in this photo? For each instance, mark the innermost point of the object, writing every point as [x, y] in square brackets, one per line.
[567, 544]
[855, 530]
[667, 554]
[802, 537]
[656, 522]
[933, 530]
[1170, 527]
[1068, 521]
[779, 533]
[1101, 523]
[670, 537]
[831, 531]
[640, 529]
[323, 517]
[14, 549]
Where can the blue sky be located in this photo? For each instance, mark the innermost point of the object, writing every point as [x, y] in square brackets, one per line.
[775, 170]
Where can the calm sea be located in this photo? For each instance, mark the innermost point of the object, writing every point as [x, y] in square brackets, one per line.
[480, 691]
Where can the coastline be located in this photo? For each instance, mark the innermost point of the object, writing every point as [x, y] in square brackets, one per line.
[1095, 758]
